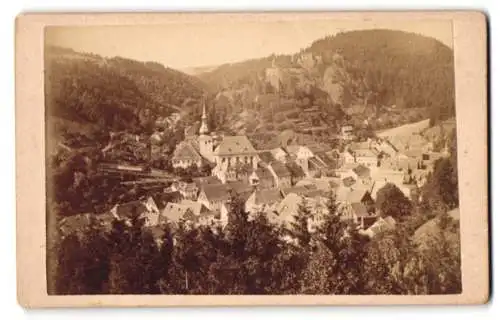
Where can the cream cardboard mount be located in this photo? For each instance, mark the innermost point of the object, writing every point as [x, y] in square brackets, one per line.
[51, 95]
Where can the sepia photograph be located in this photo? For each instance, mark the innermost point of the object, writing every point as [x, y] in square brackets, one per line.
[253, 157]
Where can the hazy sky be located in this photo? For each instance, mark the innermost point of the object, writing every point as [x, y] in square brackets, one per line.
[202, 44]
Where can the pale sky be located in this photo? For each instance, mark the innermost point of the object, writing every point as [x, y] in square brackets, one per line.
[202, 44]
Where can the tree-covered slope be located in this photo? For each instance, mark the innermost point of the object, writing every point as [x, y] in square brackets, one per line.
[384, 77]
[115, 94]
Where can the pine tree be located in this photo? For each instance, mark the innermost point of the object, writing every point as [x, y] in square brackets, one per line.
[300, 226]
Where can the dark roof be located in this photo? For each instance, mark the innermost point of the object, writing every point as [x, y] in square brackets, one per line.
[267, 196]
[215, 214]
[264, 173]
[362, 171]
[328, 159]
[360, 209]
[315, 163]
[280, 169]
[216, 192]
[161, 199]
[266, 156]
[295, 169]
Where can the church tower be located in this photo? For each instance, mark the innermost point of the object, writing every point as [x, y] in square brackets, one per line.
[205, 139]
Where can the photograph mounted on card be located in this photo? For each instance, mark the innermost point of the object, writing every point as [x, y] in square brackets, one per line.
[228, 159]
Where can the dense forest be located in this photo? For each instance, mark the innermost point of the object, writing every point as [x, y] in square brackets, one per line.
[252, 256]
[111, 94]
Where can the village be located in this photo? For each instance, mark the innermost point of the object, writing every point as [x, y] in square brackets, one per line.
[277, 181]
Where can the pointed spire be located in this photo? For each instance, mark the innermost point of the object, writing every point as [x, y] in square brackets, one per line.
[204, 125]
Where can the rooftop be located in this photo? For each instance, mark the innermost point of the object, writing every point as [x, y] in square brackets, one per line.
[235, 145]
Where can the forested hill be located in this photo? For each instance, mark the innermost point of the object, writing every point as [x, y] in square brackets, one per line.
[365, 72]
[113, 94]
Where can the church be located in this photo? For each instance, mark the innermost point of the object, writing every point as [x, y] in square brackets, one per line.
[226, 155]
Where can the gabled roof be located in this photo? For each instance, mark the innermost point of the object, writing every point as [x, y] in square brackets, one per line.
[381, 225]
[235, 145]
[359, 209]
[216, 192]
[267, 196]
[327, 159]
[276, 151]
[161, 199]
[186, 151]
[362, 171]
[176, 211]
[131, 209]
[280, 169]
[314, 163]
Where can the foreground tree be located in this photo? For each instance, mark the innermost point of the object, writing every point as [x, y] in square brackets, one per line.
[392, 202]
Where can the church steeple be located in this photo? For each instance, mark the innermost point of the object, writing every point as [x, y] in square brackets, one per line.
[204, 125]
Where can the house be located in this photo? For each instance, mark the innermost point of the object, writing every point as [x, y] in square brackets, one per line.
[287, 209]
[263, 200]
[209, 218]
[305, 190]
[214, 195]
[175, 212]
[281, 175]
[233, 150]
[346, 132]
[146, 209]
[299, 153]
[161, 199]
[348, 157]
[329, 159]
[185, 155]
[262, 177]
[363, 174]
[382, 224]
[367, 157]
[188, 190]
[279, 154]
[324, 184]
[358, 213]
[315, 167]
